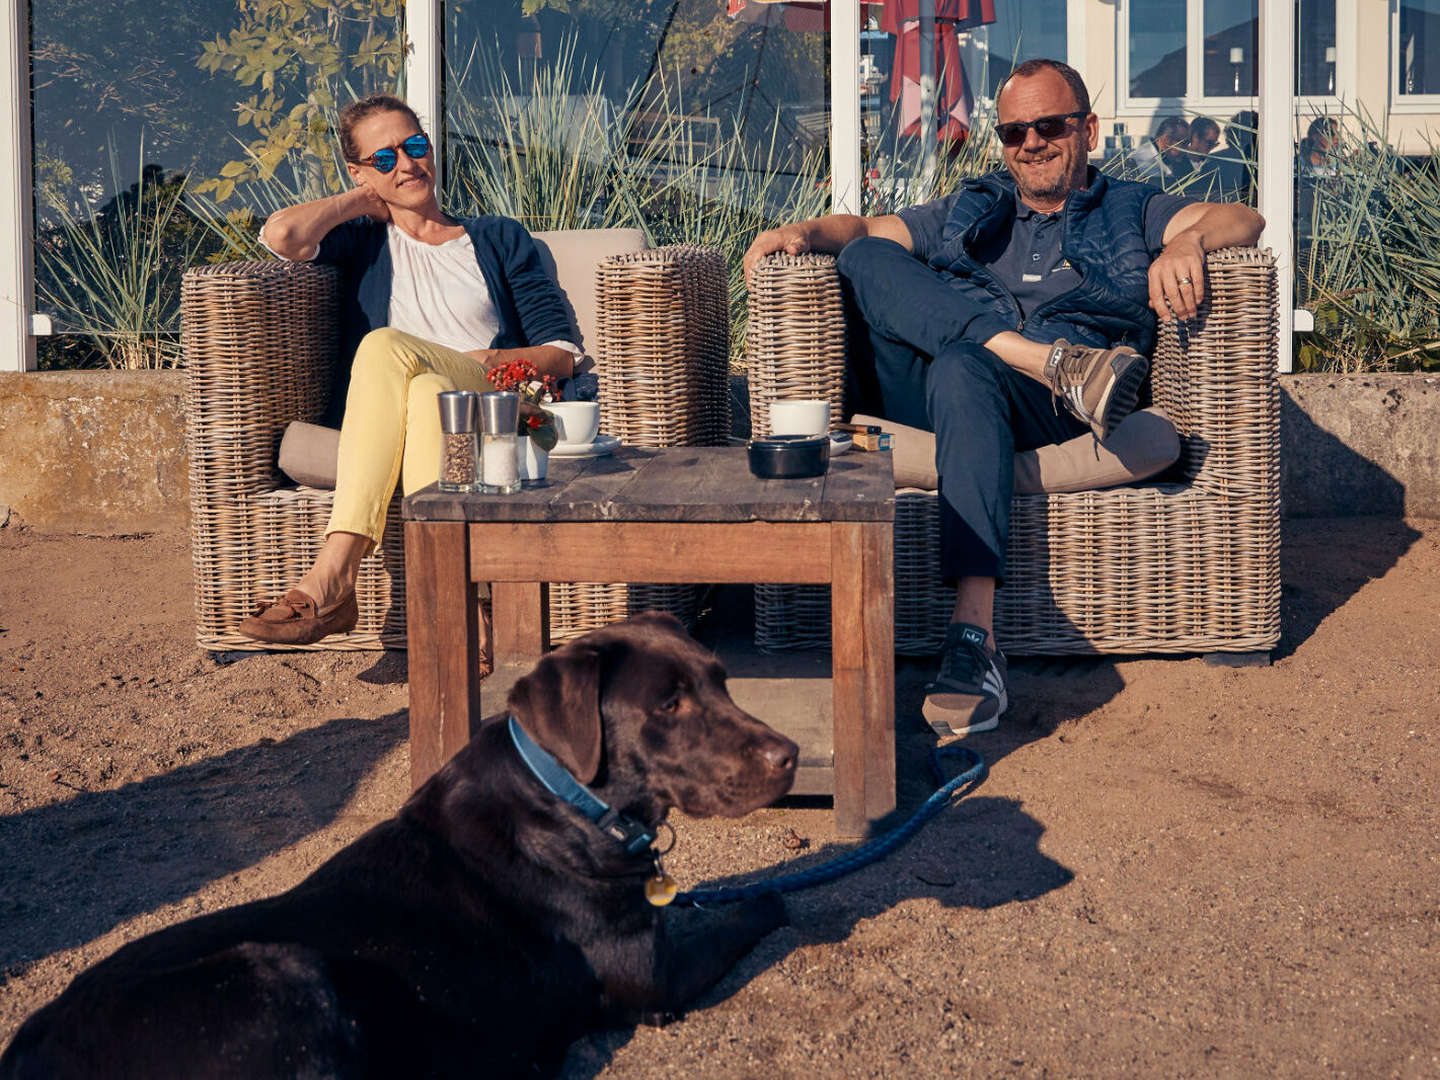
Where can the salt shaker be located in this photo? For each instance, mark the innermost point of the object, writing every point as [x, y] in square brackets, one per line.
[499, 418]
[459, 459]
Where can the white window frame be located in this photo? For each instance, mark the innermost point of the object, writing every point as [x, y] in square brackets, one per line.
[1404, 104]
[17, 267]
[1132, 108]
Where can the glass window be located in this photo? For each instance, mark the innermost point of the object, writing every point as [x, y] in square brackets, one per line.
[1020, 32]
[1315, 48]
[1231, 47]
[140, 109]
[1418, 62]
[550, 115]
[1157, 48]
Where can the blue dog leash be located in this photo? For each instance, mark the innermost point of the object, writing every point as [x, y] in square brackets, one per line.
[866, 853]
[636, 838]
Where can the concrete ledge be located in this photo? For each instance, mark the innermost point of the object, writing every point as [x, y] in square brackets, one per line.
[103, 452]
[1354, 445]
[100, 452]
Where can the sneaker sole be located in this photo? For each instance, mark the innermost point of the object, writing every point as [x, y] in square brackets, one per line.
[1124, 391]
[944, 728]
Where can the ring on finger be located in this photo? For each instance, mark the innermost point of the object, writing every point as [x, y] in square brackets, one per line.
[1185, 281]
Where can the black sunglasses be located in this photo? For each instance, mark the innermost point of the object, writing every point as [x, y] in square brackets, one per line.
[1047, 127]
[415, 147]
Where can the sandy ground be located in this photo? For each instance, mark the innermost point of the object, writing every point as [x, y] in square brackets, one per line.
[1173, 869]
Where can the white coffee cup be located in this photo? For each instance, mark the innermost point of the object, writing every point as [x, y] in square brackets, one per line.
[576, 422]
[810, 416]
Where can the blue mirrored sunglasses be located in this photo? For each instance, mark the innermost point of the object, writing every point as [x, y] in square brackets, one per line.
[383, 161]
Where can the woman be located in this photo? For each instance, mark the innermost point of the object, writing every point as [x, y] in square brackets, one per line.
[430, 304]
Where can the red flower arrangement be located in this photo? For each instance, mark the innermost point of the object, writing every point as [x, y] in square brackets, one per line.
[523, 378]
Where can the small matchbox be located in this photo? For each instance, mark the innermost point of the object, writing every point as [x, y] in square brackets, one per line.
[871, 440]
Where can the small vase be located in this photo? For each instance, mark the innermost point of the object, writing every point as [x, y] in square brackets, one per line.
[532, 460]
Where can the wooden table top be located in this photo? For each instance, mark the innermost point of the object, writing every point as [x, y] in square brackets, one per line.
[683, 483]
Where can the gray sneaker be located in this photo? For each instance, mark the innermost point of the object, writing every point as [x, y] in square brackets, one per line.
[1098, 386]
[972, 689]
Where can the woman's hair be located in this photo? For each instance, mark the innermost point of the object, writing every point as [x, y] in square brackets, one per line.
[363, 109]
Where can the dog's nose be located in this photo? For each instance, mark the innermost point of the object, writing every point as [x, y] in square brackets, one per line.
[780, 756]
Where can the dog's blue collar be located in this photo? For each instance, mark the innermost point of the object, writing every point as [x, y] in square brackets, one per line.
[561, 783]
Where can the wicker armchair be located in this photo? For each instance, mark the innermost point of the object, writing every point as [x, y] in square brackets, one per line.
[260, 338]
[1186, 564]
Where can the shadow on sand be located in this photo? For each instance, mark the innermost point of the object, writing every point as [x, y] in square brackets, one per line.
[188, 827]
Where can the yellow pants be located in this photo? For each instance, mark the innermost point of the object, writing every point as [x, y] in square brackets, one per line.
[392, 423]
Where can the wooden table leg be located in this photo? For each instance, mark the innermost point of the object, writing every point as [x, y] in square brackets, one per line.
[442, 624]
[517, 612]
[862, 627]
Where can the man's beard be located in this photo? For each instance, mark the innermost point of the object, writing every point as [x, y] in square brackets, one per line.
[1055, 190]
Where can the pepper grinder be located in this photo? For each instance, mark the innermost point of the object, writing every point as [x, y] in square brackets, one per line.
[499, 418]
[460, 457]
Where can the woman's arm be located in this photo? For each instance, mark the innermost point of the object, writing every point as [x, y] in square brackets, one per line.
[296, 232]
[548, 359]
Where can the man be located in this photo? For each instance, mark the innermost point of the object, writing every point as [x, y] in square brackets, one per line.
[1204, 137]
[1156, 160]
[1229, 174]
[970, 303]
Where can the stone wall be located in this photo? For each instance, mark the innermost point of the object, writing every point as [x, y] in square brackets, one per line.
[1360, 444]
[104, 452]
[94, 452]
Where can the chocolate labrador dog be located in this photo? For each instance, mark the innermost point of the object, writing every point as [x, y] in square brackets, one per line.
[484, 927]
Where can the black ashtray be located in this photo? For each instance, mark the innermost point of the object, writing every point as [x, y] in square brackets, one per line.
[782, 457]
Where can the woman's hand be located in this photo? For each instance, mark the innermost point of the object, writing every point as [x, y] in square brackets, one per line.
[374, 207]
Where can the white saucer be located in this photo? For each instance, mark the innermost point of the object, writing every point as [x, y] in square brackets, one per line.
[603, 444]
[840, 442]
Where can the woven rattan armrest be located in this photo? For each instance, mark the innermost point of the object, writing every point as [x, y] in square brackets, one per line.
[259, 340]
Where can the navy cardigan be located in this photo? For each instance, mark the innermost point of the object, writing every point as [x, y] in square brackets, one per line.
[528, 303]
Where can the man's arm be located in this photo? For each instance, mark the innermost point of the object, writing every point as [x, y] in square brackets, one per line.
[828, 234]
[1177, 276]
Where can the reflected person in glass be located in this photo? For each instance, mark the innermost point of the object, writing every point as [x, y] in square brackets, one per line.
[970, 304]
[429, 303]
[1229, 174]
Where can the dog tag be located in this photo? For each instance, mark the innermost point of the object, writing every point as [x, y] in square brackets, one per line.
[660, 889]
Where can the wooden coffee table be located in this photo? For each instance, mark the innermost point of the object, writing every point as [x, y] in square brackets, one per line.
[686, 514]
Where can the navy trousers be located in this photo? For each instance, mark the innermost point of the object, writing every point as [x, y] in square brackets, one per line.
[919, 359]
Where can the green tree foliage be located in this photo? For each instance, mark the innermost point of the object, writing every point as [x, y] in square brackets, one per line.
[301, 60]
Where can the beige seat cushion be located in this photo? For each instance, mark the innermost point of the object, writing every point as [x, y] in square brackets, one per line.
[308, 452]
[570, 256]
[1145, 443]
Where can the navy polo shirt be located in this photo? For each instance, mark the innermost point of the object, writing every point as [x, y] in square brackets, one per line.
[1028, 262]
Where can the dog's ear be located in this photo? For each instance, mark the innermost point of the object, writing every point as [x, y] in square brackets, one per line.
[559, 705]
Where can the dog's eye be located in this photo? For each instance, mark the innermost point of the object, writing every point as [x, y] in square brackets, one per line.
[672, 703]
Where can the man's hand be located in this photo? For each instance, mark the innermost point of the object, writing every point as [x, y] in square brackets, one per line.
[1177, 278]
[790, 239]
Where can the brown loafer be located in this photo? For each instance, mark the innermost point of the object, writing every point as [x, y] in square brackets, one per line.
[293, 620]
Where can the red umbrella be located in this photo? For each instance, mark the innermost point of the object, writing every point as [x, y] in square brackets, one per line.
[954, 100]
[901, 18]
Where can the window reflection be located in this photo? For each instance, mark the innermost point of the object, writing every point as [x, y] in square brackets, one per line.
[1231, 49]
[1418, 59]
[1315, 49]
[1157, 49]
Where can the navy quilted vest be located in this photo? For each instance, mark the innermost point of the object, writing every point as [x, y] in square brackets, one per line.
[1103, 236]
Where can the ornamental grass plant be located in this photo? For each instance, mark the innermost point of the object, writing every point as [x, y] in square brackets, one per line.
[112, 279]
[1368, 255]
